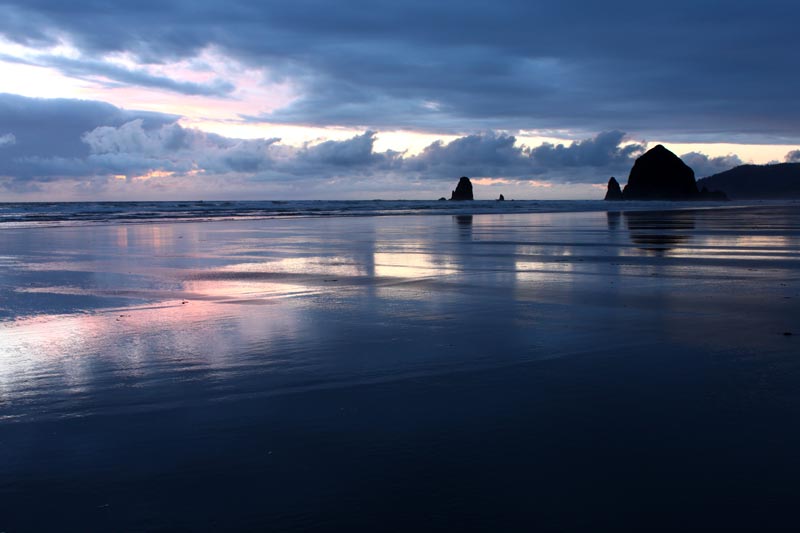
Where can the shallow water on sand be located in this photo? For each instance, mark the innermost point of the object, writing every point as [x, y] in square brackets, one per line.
[504, 370]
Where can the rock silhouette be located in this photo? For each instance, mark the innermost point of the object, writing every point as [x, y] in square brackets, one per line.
[613, 192]
[757, 181]
[463, 190]
[502, 198]
[720, 196]
[660, 175]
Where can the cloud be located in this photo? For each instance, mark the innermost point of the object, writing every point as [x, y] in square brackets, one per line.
[48, 133]
[132, 149]
[93, 145]
[115, 75]
[694, 72]
[486, 154]
[606, 149]
[7, 139]
[704, 165]
[353, 153]
[793, 156]
[499, 155]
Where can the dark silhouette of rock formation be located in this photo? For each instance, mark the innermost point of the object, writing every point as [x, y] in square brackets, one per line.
[442, 199]
[719, 196]
[502, 198]
[463, 190]
[660, 175]
[613, 192]
[757, 181]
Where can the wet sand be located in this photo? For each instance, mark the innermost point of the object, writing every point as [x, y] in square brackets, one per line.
[565, 371]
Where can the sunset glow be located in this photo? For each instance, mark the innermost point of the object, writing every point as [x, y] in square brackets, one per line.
[287, 96]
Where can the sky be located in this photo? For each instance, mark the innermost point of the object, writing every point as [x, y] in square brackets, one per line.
[201, 99]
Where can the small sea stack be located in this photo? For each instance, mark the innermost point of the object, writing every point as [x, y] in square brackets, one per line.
[614, 192]
[463, 190]
[501, 199]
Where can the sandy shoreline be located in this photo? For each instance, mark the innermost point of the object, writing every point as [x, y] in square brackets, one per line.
[559, 370]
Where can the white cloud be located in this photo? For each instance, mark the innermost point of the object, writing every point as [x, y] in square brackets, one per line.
[7, 140]
[704, 165]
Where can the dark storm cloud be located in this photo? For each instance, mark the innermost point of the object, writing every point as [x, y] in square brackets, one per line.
[499, 155]
[604, 150]
[46, 134]
[688, 70]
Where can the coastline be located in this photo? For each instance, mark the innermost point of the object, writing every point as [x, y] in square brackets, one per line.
[57, 214]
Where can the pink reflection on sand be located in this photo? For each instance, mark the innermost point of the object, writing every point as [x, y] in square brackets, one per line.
[207, 329]
[334, 266]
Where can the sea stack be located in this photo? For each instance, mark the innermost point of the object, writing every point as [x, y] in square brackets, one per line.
[463, 190]
[660, 175]
[501, 199]
[614, 193]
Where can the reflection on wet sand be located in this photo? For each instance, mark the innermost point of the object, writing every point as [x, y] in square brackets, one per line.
[613, 218]
[464, 223]
[183, 376]
[135, 299]
[659, 231]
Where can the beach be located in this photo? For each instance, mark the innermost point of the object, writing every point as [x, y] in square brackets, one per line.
[597, 370]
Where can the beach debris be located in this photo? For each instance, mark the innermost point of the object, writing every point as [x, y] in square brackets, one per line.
[463, 190]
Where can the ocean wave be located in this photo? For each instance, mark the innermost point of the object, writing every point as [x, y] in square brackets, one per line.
[83, 213]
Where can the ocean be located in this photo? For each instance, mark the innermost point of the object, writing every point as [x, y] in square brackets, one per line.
[70, 213]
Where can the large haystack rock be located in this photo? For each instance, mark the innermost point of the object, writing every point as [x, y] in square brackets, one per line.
[660, 175]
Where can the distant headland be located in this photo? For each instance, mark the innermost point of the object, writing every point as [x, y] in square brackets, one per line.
[756, 182]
